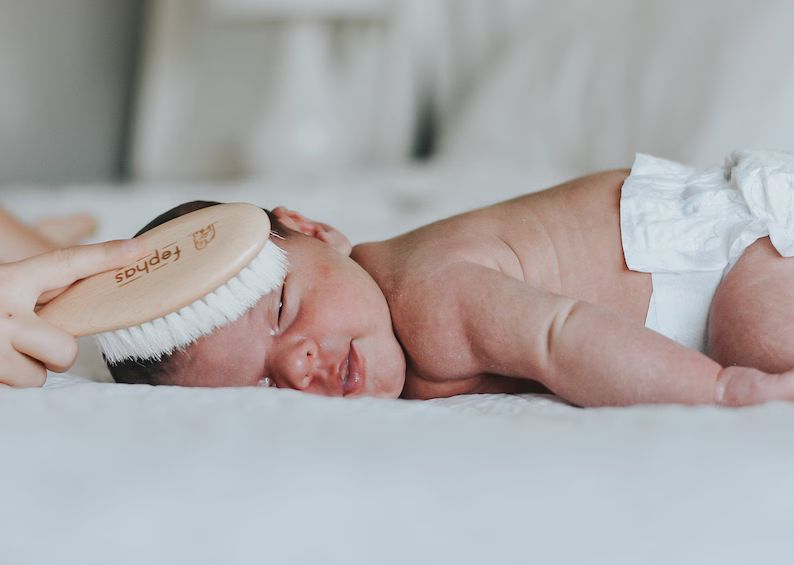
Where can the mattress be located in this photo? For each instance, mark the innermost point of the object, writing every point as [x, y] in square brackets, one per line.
[95, 472]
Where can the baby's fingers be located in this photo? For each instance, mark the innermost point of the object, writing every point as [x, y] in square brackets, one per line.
[61, 268]
[52, 346]
[19, 370]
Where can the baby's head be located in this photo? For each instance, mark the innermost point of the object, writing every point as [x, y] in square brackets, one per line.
[327, 330]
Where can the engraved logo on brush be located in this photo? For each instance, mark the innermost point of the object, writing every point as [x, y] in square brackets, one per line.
[203, 237]
[160, 258]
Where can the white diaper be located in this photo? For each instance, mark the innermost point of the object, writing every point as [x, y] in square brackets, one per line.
[688, 228]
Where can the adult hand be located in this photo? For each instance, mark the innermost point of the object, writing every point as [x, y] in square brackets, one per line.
[29, 345]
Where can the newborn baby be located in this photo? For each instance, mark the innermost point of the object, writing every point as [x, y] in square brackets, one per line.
[542, 292]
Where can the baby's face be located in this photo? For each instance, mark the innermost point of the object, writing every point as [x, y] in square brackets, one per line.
[332, 334]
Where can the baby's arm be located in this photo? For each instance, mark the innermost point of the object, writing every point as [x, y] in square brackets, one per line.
[586, 354]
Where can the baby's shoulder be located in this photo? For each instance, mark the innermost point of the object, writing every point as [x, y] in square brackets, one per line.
[422, 275]
[427, 305]
[419, 280]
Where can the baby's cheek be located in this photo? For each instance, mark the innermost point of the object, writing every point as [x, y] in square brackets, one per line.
[232, 355]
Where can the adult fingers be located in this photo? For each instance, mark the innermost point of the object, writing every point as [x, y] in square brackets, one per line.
[45, 343]
[19, 370]
[49, 295]
[62, 267]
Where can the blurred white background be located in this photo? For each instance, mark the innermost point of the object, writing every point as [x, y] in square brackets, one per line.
[66, 70]
[164, 90]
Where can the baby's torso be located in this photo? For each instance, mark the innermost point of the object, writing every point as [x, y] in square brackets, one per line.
[568, 242]
[564, 240]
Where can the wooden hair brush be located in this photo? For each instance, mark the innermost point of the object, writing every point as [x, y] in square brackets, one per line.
[204, 270]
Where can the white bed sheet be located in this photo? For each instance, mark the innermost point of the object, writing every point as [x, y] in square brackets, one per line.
[104, 473]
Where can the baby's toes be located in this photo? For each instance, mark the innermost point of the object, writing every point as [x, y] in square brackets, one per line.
[742, 386]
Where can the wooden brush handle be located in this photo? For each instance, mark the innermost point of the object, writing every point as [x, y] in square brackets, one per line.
[188, 258]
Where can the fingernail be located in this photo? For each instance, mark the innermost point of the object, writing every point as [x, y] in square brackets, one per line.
[719, 392]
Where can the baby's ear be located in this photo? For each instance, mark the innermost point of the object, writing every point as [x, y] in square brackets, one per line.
[300, 223]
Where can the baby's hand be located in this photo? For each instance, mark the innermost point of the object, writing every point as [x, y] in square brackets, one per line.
[742, 386]
[29, 345]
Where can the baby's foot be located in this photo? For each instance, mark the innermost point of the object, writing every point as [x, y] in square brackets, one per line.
[65, 231]
[742, 386]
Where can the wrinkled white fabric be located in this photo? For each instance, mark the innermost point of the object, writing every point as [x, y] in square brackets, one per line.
[688, 227]
[676, 219]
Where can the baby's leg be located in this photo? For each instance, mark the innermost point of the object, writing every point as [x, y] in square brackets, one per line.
[752, 324]
[19, 241]
[65, 231]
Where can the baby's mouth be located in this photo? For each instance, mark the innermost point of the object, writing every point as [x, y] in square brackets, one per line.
[352, 373]
[344, 369]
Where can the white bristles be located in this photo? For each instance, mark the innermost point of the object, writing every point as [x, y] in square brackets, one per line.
[163, 336]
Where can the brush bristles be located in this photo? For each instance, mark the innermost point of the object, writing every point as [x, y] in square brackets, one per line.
[163, 336]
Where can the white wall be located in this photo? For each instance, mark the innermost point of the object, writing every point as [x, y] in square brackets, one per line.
[65, 68]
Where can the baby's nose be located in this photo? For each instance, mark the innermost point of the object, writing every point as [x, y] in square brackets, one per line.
[302, 369]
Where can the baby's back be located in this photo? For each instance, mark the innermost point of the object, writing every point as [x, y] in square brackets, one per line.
[568, 241]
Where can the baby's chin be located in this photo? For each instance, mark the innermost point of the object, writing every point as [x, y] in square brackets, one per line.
[392, 388]
[390, 385]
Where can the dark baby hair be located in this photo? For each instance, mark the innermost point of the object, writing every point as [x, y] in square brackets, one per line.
[153, 371]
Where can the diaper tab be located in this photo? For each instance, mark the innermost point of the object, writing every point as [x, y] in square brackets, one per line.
[765, 179]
